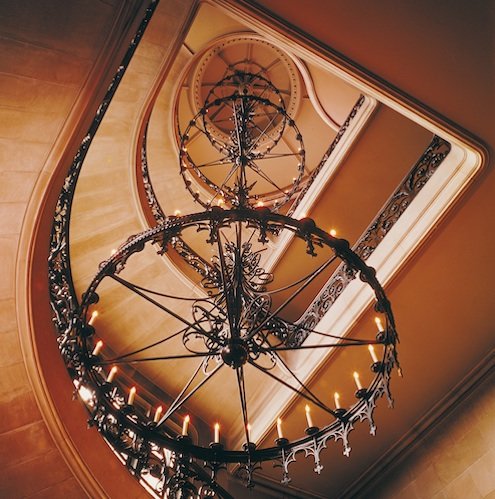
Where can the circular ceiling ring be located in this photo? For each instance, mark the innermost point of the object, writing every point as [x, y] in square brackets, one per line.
[248, 53]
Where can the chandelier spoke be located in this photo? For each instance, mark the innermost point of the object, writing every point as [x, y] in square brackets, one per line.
[301, 393]
[264, 176]
[216, 162]
[184, 395]
[147, 347]
[156, 303]
[156, 293]
[120, 360]
[242, 395]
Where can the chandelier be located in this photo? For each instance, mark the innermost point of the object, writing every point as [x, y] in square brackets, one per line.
[240, 323]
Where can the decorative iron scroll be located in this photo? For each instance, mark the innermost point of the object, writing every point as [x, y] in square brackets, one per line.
[63, 297]
[422, 171]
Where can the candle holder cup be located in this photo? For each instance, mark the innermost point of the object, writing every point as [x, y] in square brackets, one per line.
[311, 430]
[362, 393]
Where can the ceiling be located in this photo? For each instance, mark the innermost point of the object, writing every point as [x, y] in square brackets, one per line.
[381, 151]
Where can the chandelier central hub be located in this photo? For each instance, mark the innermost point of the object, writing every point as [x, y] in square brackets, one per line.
[235, 353]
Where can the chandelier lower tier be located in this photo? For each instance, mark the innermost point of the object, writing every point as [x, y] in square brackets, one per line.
[241, 324]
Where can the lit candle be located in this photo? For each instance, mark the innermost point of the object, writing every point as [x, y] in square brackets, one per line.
[336, 398]
[379, 324]
[372, 353]
[248, 428]
[113, 252]
[177, 213]
[358, 382]
[259, 204]
[279, 428]
[220, 202]
[132, 394]
[185, 425]
[217, 433]
[308, 416]
[333, 232]
[98, 347]
[158, 414]
[111, 374]
[94, 315]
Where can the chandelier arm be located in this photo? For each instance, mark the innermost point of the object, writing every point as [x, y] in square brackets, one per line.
[180, 400]
[295, 283]
[294, 295]
[276, 155]
[156, 343]
[216, 162]
[154, 302]
[263, 132]
[226, 291]
[219, 189]
[157, 293]
[242, 395]
[162, 357]
[326, 345]
[165, 295]
[295, 390]
[291, 372]
[264, 176]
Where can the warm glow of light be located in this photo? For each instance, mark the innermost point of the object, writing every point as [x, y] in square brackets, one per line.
[158, 414]
[113, 252]
[308, 416]
[336, 398]
[185, 425]
[372, 353]
[132, 395]
[357, 380]
[176, 213]
[220, 202]
[85, 393]
[279, 428]
[379, 324]
[259, 204]
[333, 232]
[217, 433]
[111, 374]
[98, 347]
[94, 315]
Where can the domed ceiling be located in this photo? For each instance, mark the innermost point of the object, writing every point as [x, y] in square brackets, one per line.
[158, 154]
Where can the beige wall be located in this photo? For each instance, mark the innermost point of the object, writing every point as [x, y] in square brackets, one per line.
[454, 460]
[53, 70]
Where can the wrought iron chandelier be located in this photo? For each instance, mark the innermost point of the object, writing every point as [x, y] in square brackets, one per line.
[240, 321]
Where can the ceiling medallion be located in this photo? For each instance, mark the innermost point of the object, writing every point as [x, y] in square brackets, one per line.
[242, 323]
